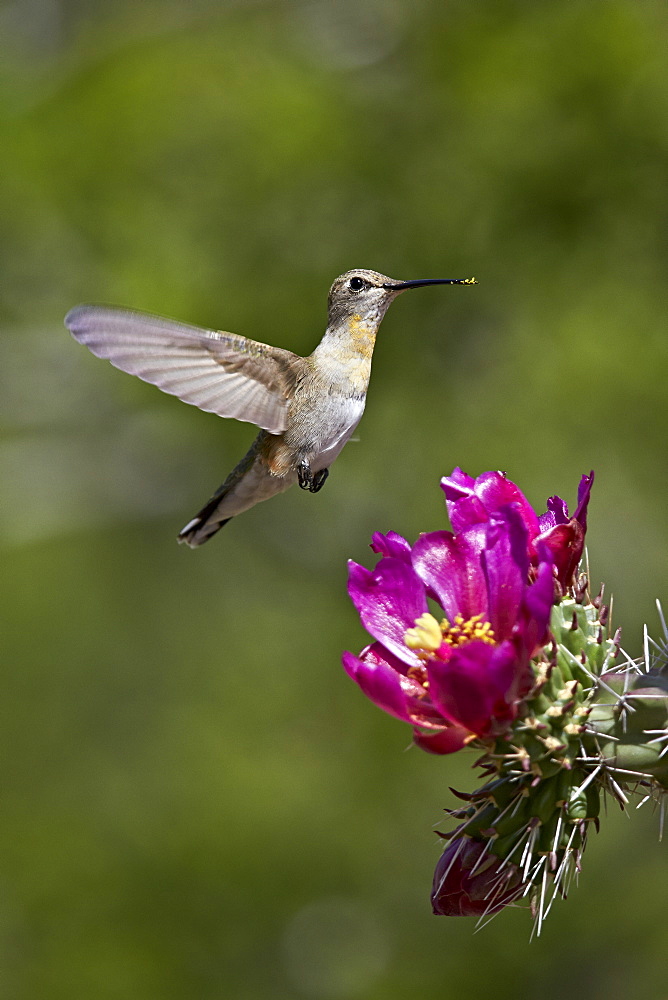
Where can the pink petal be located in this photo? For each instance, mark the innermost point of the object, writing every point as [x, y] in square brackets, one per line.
[495, 491]
[379, 679]
[476, 687]
[444, 741]
[392, 545]
[506, 565]
[450, 566]
[389, 598]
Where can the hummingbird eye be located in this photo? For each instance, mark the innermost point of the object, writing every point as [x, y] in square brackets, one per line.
[356, 284]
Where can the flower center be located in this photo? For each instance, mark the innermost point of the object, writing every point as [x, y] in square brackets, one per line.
[427, 636]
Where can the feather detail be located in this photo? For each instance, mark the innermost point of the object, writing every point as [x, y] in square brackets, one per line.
[219, 372]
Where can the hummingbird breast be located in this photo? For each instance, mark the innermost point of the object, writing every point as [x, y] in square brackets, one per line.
[327, 405]
[318, 430]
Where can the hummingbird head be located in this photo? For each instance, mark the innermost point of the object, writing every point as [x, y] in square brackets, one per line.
[365, 296]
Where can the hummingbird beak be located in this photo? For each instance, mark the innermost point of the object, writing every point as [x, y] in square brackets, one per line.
[399, 286]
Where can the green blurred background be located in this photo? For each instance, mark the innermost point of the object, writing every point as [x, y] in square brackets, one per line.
[197, 803]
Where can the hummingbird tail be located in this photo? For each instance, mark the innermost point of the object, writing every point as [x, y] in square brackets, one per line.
[197, 531]
[247, 484]
[203, 526]
[205, 523]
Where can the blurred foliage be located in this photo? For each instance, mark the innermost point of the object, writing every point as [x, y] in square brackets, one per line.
[197, 803]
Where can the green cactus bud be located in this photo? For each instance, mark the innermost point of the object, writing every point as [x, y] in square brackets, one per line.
[577, 806]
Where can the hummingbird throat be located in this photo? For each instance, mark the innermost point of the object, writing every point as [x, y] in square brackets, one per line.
[362, 335]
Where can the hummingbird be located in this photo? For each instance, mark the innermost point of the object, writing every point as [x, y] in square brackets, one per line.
[306, 408]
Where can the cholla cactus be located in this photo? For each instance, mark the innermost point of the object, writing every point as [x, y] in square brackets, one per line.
[521, 668]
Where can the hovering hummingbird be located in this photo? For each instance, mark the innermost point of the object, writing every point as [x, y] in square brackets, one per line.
[307, 408]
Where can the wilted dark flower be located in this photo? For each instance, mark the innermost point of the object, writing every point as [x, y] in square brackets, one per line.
[469, 881]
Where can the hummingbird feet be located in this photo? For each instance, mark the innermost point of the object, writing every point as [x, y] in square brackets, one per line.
[311, 481]
[319, 480]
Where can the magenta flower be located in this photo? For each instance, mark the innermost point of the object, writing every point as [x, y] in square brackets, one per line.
[464, 676]
[472, 501]
[469, 881]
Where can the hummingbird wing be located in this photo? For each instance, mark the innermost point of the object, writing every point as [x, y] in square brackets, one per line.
[218, 372]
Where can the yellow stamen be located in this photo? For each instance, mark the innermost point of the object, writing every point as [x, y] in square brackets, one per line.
[419, 675]
[426, 636]
[462, 631]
